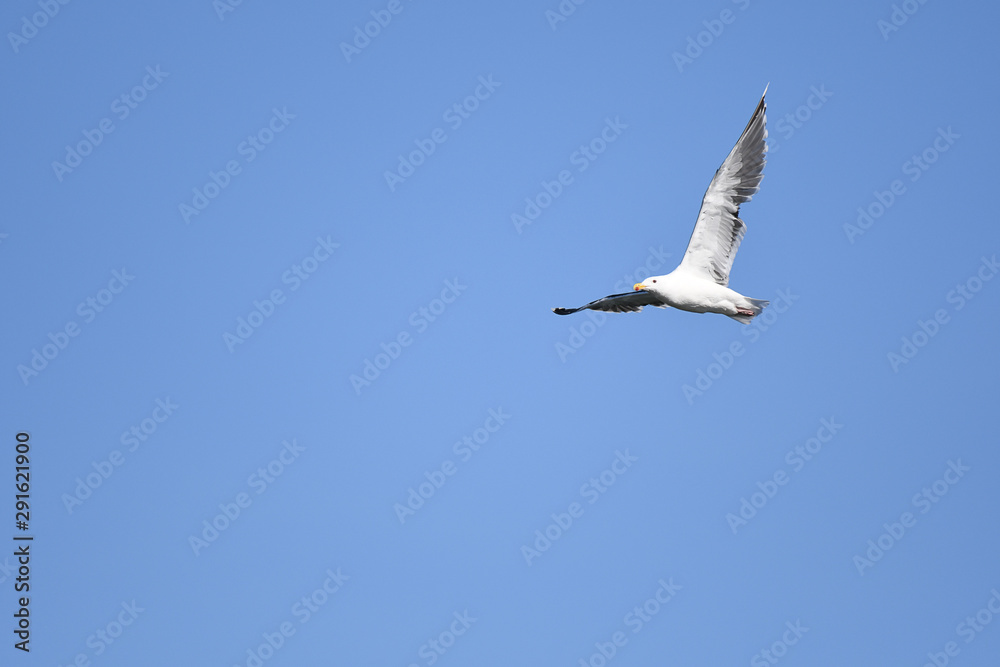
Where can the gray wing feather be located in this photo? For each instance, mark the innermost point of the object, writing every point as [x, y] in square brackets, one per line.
[629, 302]
[718, 232]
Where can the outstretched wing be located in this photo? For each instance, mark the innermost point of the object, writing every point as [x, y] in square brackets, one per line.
[719, 230]
[629, 302]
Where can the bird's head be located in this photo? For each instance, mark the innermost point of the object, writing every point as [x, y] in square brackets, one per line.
[649, 285]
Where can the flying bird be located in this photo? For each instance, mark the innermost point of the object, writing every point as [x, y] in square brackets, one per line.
[700, 283]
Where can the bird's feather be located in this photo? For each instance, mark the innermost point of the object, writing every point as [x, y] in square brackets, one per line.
[718, 231]
[629, 302]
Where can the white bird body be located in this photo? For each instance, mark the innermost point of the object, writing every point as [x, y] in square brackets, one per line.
[685, 291]
[700, 284]
[697, 295]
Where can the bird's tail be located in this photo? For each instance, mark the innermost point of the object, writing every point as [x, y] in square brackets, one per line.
[756, 305]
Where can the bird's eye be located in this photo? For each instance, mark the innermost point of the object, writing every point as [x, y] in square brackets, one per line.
[654, 281]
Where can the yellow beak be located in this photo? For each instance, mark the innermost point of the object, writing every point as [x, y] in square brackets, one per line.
[638, 287]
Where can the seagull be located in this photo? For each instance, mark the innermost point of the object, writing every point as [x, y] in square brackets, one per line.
[700, 283]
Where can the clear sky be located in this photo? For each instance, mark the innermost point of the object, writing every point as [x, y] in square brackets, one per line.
[278, 331]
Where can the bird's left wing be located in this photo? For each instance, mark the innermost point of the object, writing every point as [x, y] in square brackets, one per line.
[628, 302]
[719, 230]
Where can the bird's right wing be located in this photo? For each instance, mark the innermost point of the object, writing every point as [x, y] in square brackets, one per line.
[719, 230]
[629, 302]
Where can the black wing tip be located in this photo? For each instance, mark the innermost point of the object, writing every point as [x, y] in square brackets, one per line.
[564, 311]
[760, 110]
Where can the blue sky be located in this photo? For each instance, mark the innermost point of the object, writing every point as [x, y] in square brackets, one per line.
[279, 334]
